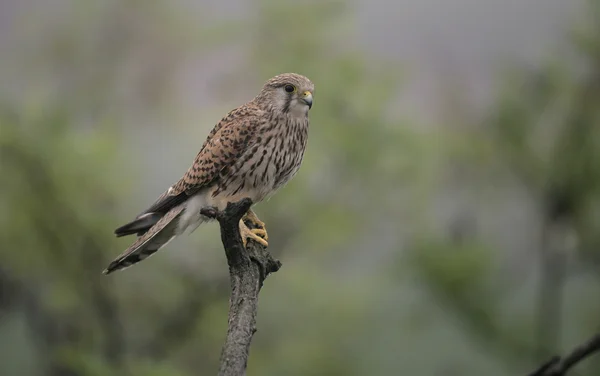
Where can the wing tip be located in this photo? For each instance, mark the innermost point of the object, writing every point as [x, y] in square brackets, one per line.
[140, 225]
[123, 230]
[112, 267]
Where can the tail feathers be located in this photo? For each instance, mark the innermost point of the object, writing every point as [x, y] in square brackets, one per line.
[151, 241]
[140, 225]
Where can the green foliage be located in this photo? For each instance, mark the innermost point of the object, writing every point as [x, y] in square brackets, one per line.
[373, 281]
[543, 134]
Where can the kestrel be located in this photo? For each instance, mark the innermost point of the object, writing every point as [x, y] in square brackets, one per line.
[252, 152]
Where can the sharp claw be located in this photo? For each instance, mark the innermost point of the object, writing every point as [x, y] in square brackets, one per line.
[258, 235]
[261, 241]
[261, 232]
[251, 217]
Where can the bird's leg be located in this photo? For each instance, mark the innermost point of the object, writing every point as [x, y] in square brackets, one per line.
[257, 234]
[251, 217]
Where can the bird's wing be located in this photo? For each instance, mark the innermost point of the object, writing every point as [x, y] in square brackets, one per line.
[224, 145]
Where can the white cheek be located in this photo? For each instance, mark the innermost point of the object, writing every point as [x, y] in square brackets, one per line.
[298, 108]
[280, 101]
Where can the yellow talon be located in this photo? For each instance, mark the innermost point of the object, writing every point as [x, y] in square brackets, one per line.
[258, 226]
[251, 217]
[260, 232]
[257, 234]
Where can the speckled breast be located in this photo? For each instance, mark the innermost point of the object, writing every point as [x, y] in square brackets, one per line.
[270, 163]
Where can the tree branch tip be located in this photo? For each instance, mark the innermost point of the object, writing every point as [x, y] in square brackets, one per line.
[234, 210]
[238, 209]
[273, 265]
[546, 366]
[560, 365]
[210, 212]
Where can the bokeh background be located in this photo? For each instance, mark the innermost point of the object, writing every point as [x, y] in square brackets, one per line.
[446, 220]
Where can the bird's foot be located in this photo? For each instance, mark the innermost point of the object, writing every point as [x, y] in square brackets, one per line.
[256, 223]
[259, 235]
[251, 217]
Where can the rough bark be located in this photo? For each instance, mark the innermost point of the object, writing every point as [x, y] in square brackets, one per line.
[248, 268]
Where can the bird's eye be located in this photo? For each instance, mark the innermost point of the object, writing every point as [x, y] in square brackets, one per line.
[290, 88]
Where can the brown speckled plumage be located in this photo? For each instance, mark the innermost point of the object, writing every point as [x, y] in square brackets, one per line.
[252, 152]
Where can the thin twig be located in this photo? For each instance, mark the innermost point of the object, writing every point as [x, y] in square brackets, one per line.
[248, 268]
[559, 366]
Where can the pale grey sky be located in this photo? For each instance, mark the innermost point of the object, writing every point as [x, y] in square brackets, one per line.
[432, 38]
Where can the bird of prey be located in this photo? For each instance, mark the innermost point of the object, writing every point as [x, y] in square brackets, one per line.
[251, 153]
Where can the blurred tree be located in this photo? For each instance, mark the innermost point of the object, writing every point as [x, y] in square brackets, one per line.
[369, 182]
[544, 132]
[79, 322]
[58, 146]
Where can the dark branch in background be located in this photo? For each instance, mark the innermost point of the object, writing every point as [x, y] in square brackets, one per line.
[248, 268]
[559, 366]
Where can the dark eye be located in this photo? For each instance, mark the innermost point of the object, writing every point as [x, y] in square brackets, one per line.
[290, 88]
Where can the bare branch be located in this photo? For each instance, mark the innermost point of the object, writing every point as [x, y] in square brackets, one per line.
[559, 366]
[248, 268]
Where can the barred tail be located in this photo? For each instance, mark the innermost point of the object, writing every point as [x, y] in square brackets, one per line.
[146, 245]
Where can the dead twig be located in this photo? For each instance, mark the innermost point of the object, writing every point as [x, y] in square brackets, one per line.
[248, 268]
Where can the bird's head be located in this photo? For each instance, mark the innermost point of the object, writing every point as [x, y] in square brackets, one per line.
[289, 93]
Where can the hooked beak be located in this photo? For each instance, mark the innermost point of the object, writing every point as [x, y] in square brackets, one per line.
[307, 98]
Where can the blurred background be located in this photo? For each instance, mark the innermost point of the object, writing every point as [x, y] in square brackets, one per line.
[446, 220]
